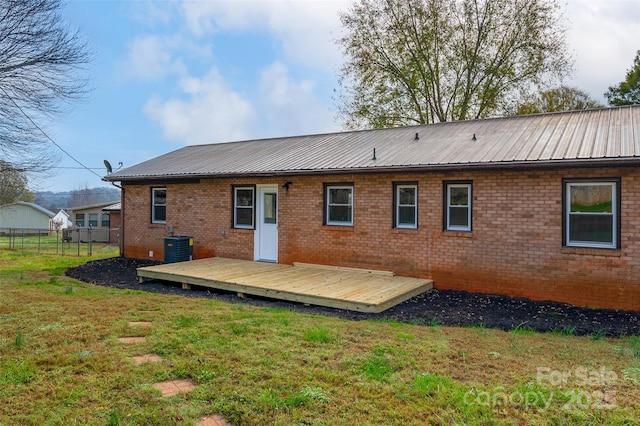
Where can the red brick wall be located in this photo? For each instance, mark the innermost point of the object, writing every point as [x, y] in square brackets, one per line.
[515, 247]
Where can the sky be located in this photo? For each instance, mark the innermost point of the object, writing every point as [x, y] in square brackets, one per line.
[172, 73]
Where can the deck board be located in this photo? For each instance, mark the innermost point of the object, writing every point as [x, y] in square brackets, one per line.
[342, 288]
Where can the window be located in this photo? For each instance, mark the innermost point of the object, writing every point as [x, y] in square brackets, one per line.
[591, 213]
[458, 206]
[405, 212]
[339, 204]
[270, 208]
[93, 219]
[158, 205]
[106, 220]
[80, 219]
[243, 207]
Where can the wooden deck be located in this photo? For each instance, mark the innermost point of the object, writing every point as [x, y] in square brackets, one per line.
[341, 288]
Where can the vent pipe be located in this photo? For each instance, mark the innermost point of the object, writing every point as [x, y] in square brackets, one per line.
[374, 158]
[417, 136]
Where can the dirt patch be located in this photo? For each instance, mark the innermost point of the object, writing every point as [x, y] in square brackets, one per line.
[446, 307]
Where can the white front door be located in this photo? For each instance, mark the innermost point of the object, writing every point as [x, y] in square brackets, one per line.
[266, 236]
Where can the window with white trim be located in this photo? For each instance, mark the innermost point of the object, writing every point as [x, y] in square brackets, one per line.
[339, 204]
[93, 219]
[244, 207]
[591, 213]
[406, 205]
[458, 206]
[106, 219]
[158, 205]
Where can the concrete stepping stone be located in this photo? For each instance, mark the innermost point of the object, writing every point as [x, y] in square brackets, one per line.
[132, 339]
[173, 387]
[212, 421]
[140, 323]
[146, 358]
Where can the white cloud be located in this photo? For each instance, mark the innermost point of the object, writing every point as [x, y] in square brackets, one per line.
[151, 57]
[291, 107]
[305, 30]
[604, 38]
[212, 112]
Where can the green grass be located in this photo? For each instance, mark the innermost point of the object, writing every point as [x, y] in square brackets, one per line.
[256, 366]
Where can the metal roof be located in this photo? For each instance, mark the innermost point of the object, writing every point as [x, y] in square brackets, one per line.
[610, 135]
[33, 206]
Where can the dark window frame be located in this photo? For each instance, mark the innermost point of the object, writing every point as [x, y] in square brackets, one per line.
[234, 217]
[154, 205]
[79, 219]
[616, 213]
[396, 205]
[446, 214]
[325, 193]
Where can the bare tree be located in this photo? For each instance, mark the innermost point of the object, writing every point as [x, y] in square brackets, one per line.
[41, 62]
[425, 61]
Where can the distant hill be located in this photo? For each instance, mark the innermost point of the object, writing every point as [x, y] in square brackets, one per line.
[55, 201]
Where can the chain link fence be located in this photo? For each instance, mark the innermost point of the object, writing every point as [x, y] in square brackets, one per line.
[66, 242]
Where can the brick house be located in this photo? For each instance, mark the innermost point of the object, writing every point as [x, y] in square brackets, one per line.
[544, 206]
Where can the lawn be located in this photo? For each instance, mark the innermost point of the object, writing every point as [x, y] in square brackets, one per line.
[61, 363]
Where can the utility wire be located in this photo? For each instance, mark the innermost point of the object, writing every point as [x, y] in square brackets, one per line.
[46, 135]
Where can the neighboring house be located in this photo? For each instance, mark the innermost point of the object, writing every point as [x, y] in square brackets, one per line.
[96, 222]
[544, 206]
[23, 216]
[61, 221]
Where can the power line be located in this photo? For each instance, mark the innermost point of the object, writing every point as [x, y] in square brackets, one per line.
[46, 135]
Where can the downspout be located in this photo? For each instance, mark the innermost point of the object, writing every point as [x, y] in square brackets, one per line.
[122, 198]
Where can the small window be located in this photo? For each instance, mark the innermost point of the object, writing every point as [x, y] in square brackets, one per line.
[159, 205]
[243, 207]
[458, 206]
[80, 219]
[591, 213]
[270, 208]
[106, 220]
[93, 219]
[339, 204]
[406, 205]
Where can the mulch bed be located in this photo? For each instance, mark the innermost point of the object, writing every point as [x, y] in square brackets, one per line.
[435, 307]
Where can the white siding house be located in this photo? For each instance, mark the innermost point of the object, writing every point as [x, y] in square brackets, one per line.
[23, 215]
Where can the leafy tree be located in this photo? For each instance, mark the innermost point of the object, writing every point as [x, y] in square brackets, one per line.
[628, 91]
[40, 60]
[13, 185]
[561, 98]
[425, 61]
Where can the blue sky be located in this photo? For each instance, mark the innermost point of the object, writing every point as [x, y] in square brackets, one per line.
[172, 73]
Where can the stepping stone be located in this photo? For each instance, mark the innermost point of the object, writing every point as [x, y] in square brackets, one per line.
[146, 358]
[212, 421]
[140, 323]
[132, 339]
[173, 387]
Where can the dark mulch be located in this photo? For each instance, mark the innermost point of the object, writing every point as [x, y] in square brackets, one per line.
[436, 307]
